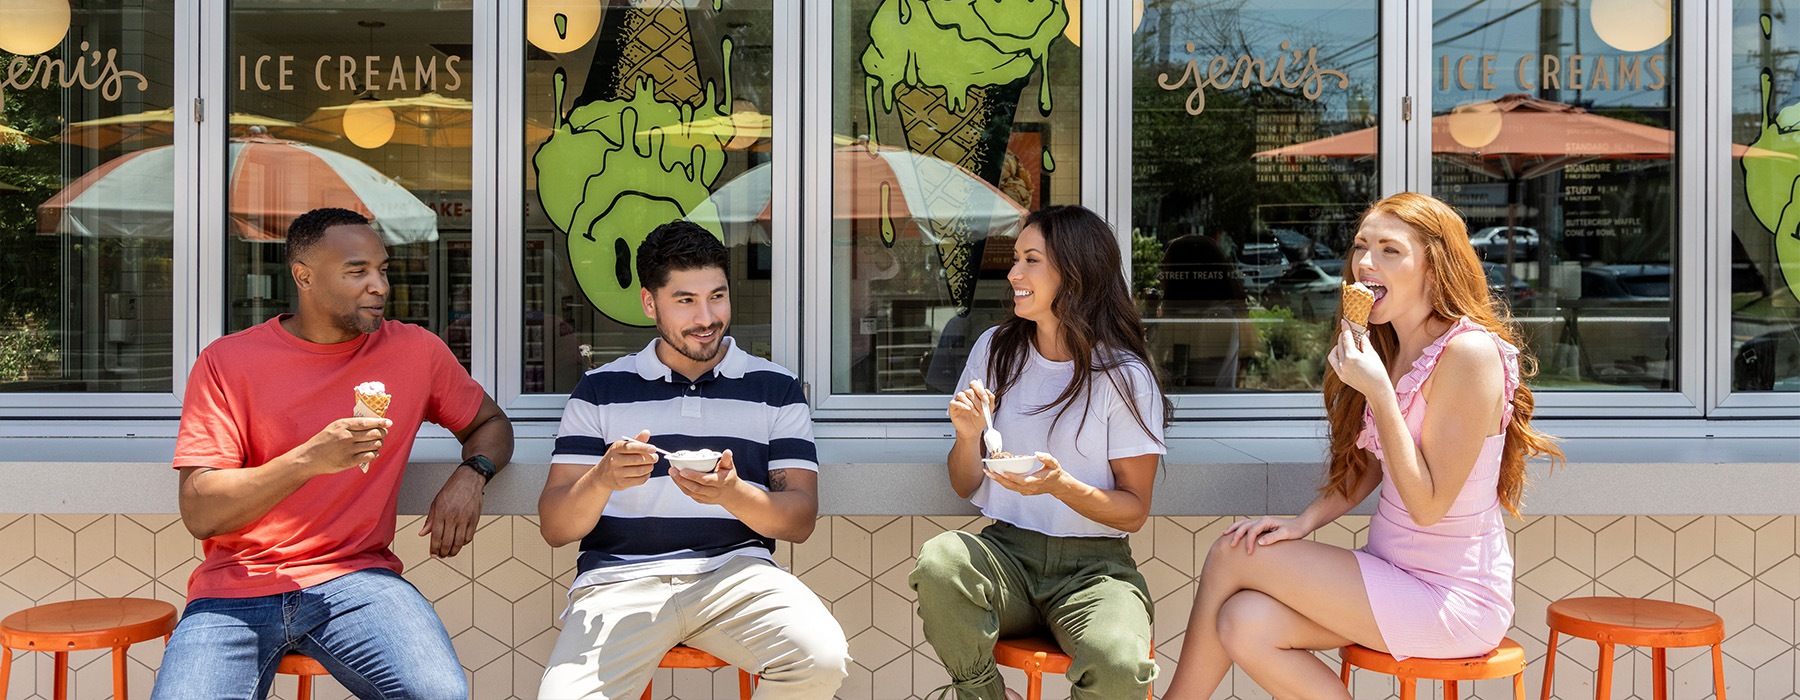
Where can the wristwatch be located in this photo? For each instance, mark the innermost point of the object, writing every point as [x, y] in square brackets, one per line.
[483, 466]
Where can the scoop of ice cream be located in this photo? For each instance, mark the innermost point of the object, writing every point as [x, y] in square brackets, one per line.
[371, 388]
[957, 44]
[694, 454]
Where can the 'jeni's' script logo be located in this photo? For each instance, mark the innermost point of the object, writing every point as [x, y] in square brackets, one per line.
[101, 71]
[1295, 68]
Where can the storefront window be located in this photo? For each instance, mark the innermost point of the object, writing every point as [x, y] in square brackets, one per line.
[949, 122]
[1765, 229]
[638, 114]
[87, 219]
[359, 105]
[1554, 133]
[1253, 150]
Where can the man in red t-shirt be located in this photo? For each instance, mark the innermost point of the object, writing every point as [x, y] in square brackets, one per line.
[296, 532]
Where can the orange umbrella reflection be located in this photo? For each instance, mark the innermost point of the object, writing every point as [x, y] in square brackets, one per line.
[423, 120]
[158, 126]
[9, 135]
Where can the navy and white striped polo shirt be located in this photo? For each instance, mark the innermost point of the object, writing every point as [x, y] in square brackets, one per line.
[746, 404]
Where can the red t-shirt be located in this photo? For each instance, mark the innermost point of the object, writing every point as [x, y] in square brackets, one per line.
[258, 393]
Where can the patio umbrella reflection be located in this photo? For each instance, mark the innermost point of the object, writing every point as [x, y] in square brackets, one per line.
[158, 126]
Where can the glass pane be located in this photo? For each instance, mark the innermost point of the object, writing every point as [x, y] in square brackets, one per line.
[1253, 150]
[949, 122]
[87, 219]
[1765, 242]
[637, 114]
[1554, 133]
[362, 105]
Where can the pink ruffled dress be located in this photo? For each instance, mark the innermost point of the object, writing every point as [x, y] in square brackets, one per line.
[1443, 591]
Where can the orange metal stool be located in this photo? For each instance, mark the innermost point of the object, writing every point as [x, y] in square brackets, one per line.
[1657, 624]
[304, 668]
[683, 656]
[1037, 656]
[1507, 660]
[77, 625]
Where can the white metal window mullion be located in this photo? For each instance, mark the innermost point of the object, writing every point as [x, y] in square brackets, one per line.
[1695, 280]
[786, 241]
[190, 47]
[495, 54]
[210, 149]
[814, 222]
[506, 335]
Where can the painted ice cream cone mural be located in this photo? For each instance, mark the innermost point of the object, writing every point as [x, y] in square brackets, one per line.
[627, 157]
[955, 69]
[1771, 183]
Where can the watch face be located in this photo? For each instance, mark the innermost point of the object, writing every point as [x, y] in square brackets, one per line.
[482, 465]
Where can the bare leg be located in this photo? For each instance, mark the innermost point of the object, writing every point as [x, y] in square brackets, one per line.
[1273, 644]
[1316, 581]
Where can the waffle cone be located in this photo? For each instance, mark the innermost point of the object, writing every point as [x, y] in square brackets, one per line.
[969, 138]
[652, 40]
[1357, 302]
[371, 406]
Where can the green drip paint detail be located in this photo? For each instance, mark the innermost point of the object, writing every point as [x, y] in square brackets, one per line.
[1049, 162]
[887, 216]
[1772, 182]
[562, 25]
[958, 45]
[613, 170]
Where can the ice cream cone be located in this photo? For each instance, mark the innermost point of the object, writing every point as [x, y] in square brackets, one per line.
[648, 40]
[974, 138]
[1357, 301]
[371, 402]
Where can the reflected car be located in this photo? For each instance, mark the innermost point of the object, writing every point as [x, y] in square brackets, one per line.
[1503, 284]
[1259, 263]
[1307, 289]
[1490, 243]
[1645, 283]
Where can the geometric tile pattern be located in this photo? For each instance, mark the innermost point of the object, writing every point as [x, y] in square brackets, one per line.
[500, 598]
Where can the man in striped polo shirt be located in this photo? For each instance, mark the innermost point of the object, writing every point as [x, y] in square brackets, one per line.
[671, 556]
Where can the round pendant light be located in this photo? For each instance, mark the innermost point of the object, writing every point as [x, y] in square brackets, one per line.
[32, 27]
[368, 123]
[1072, 32]
[1631, 25]
[561, 26]
[1475, 124]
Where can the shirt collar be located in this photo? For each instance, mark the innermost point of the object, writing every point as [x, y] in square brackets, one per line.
[736, 362]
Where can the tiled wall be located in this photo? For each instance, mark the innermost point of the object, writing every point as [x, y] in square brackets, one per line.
[500, 597]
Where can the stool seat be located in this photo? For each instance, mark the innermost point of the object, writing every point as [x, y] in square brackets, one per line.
[1037, 656]
[1505, 661]
[1657, 624]
[1637, 622]
[683, 656]
[93, 623]
[75, 625]
[304, 668]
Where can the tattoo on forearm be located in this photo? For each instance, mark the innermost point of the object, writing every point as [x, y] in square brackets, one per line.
[778, 480]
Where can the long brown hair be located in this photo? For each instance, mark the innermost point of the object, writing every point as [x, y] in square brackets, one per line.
[1100, 324]
[1456, 288]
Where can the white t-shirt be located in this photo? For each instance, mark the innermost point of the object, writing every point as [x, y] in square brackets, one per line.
[1083, 448]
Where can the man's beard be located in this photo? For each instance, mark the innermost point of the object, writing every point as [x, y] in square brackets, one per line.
[680, 342]
[356, 323]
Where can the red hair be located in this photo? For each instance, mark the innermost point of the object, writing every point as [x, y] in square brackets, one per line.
[1456, 288]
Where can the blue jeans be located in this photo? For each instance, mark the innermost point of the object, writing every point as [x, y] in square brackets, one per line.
[370, 628]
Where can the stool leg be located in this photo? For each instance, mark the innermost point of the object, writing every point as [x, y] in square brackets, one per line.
[1450, 690]
[119, 673]
[5, 670]
[1549, 666]
[303, 688]
[1718, 672]
[62, 675]
[1344, 672]
[647, 688]
[1659, 660]
[1034, 677]
[1408, 689]
[1603, 686]
[1519, 686]
[745, 685]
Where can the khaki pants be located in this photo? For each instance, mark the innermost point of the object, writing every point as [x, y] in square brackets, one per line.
[749, 613]
[1086, 592]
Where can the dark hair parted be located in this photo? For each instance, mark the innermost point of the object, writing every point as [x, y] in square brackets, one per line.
[308, 228]
[1100, 323]
[678, 245]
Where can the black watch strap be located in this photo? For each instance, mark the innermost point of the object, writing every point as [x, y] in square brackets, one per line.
[483, 466]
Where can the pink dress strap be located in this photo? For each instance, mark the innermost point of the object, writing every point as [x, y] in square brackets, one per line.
[1410, 386]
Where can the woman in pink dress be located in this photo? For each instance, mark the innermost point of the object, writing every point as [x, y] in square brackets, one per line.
[1435, 580]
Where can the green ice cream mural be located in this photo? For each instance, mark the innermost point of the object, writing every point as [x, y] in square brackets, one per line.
[955, 69]
[642, 148]
[1772, 183]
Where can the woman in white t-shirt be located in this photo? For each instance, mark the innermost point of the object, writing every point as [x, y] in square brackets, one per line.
[1069, 380]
